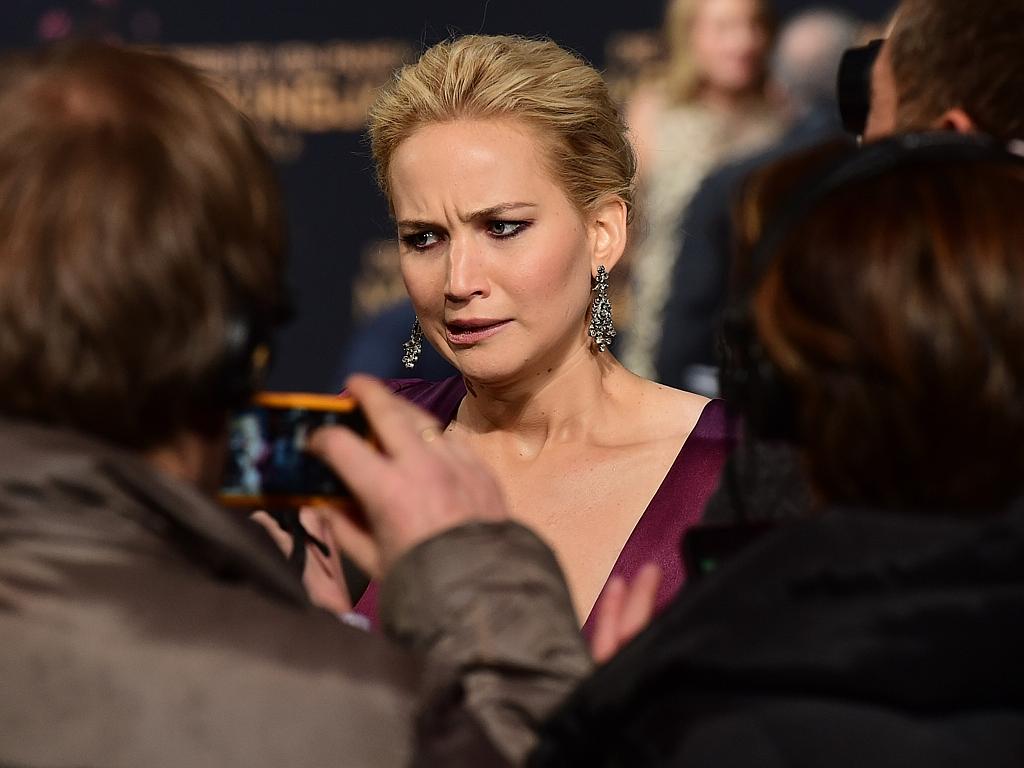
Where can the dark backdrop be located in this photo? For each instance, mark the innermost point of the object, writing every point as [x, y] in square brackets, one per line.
[306, 71]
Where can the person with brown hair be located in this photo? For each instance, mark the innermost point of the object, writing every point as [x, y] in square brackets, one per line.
[92, 339]
[885, 319]
[916, 365]
[945, 66]
[951, 65]
[510, 177]
[141, 271]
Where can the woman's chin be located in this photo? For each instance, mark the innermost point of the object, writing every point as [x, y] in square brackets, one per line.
[486, 372]
[487, 378]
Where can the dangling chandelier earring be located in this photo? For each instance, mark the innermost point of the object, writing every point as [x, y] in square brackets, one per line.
[412, 348]
[601, 330]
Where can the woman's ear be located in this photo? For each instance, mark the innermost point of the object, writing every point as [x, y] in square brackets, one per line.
[608, 233]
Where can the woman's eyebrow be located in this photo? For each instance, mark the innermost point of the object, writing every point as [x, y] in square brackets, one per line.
[484, 213]
[417, 224]
[494, 210]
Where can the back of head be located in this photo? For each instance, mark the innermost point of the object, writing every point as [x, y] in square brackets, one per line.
[138, 215]
[894, 309]
[950, 54]
[554, 92]
[806, 59]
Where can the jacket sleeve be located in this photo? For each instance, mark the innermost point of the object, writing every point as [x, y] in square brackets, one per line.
[487, 606]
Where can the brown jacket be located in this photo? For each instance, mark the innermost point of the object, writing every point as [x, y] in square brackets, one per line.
[140, 625]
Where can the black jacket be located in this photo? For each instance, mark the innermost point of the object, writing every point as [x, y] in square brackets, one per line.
[855, 639]
[699, 286]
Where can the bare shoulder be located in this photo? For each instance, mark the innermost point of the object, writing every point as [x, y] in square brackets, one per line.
[676, 406]
[662, 412]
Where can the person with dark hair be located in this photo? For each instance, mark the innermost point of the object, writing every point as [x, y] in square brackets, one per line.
[141, 272]
[953, 66]
[884, 318]
[945, 66]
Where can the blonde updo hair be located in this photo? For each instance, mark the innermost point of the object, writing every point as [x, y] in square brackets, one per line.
[534, 81]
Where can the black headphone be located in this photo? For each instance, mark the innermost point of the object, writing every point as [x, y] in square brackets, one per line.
[246, 360]
[853, 85]
[248, 350]
[750, 382]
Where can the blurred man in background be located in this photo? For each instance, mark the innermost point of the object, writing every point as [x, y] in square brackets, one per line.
[804, 67]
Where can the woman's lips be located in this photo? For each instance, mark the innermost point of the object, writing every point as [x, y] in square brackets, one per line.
[473, 331]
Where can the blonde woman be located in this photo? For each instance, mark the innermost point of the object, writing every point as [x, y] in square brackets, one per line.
[510, 178]
[709, 105]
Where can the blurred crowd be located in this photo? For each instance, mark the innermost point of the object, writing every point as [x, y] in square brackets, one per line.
[545, 558]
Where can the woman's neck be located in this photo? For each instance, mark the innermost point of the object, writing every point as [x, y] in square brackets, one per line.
[564, 403]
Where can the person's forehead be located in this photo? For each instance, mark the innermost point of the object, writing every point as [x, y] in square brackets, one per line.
[507, 143]
[469, 157]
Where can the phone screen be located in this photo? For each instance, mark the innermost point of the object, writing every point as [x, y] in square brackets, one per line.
[267, 464]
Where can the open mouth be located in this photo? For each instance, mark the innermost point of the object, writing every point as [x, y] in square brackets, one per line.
[462, 332]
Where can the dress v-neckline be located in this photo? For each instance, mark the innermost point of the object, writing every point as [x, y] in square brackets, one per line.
[676, 505]
[653, 518]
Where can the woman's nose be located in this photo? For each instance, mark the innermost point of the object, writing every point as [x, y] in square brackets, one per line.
[466, 273]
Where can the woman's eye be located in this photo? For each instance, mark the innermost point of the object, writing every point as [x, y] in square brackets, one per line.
[506, 228]
[420, 240]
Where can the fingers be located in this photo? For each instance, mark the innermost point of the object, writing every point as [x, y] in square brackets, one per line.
[311, 521]
[354, 540]
[373, 477]
[323, 576]
[418, 486]
[624, 611]
[639, 604]
[396, 423]
[280, 537]
[352, 458]
[605, 641]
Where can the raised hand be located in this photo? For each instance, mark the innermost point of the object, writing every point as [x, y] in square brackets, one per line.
[416, 483]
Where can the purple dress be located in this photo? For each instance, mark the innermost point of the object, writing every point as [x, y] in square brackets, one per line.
[676, 506]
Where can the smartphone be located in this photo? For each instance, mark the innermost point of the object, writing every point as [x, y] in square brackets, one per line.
[267, 464]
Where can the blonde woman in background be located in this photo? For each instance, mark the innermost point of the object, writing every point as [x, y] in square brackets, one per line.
[710, 105]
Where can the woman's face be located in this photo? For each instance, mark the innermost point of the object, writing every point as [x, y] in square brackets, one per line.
[495, 257]
[730, 43]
